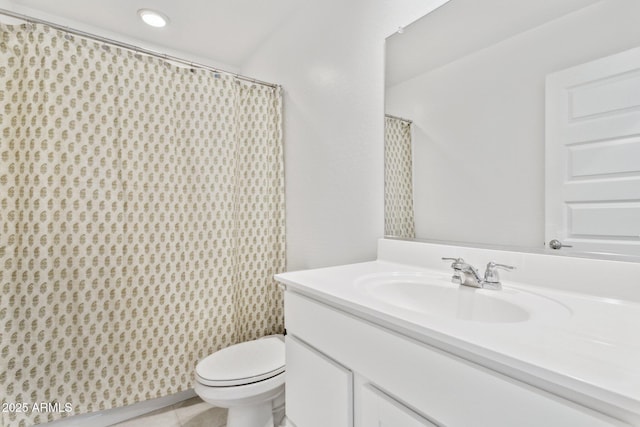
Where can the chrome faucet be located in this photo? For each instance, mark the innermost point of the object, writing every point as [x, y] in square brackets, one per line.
[465, 274]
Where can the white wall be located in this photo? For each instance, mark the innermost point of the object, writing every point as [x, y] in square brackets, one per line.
[330, 60]
[479, 126]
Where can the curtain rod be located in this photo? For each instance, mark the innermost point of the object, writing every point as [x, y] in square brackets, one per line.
[399, 118]
[131, 47]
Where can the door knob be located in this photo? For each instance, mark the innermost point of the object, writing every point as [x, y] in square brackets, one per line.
[557, 244]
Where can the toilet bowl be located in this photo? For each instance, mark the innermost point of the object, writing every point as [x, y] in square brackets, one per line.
[246, 378]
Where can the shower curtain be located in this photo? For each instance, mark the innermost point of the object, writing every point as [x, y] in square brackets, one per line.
[398, 179]
[141, 222]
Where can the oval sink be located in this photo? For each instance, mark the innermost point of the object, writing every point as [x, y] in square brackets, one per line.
[434, 295]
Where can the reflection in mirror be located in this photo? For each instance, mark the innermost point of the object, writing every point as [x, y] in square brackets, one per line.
[486, 86]
[398, 178]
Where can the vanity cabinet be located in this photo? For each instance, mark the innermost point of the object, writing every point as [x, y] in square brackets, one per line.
[401, 381]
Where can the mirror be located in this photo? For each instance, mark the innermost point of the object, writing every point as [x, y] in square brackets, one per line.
[469, 82]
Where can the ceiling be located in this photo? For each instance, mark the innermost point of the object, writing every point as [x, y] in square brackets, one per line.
[461, 27]
[223, 31]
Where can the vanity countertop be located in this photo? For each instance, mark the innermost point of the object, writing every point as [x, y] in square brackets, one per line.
[591, 355]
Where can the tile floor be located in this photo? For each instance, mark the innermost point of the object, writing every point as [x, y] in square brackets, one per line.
[189, 413]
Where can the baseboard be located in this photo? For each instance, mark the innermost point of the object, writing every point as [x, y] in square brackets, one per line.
[118, 415]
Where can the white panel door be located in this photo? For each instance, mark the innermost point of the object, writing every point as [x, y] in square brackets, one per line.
[593, 155]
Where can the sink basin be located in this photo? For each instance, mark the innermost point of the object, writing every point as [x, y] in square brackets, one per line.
[435, 295]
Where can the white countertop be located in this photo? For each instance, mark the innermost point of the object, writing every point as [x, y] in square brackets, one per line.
[591, 355]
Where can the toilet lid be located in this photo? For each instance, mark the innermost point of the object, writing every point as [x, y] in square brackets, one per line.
[242, 363]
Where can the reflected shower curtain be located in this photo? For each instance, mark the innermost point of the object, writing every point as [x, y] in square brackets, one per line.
[398, 179]
[142, 220]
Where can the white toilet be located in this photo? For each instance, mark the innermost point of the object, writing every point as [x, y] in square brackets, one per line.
[247, 378]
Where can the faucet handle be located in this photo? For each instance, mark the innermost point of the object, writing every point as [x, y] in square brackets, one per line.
[455, 264]
[491, 273]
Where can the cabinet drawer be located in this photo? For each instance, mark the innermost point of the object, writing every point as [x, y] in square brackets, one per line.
[447, 389]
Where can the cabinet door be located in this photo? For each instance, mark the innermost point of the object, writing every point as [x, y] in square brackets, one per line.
[319, 391]
[380, 410]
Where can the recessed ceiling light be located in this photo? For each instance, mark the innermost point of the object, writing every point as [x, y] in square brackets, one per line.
[153, 18]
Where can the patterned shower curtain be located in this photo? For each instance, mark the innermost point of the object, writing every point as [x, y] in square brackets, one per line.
[398, 179]
[141, 222]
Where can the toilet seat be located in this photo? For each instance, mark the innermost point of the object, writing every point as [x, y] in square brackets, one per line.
[253, 393]
[243, 363]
